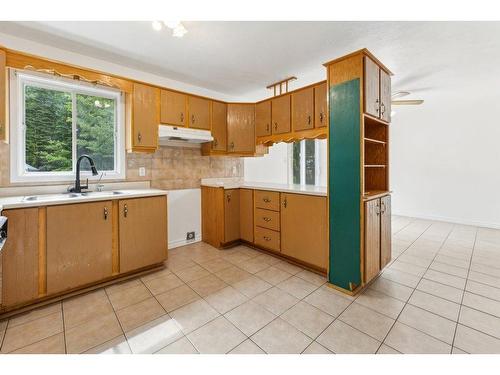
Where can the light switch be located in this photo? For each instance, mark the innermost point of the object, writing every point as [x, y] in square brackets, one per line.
[142, 171]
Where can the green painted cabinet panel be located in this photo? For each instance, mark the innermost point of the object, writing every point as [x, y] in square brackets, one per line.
[344, 184]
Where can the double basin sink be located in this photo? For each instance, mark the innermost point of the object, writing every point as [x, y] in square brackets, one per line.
[65, 196]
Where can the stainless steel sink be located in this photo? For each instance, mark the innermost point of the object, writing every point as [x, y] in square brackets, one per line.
[62, 196]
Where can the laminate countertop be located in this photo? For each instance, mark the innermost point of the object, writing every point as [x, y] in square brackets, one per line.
[69, 198]
[284, 188]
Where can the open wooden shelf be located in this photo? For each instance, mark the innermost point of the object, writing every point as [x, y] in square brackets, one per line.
[375, 194]
[375, 141]
[375, 165]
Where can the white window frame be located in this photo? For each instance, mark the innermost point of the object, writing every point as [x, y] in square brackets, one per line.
[18, 80]
[317, 171]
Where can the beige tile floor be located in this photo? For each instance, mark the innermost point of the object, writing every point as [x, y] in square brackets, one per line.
[440, 294]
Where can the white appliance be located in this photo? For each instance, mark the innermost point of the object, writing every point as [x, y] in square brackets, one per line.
[178, 136]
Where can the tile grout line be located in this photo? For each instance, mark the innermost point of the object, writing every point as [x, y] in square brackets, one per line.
[406, 303]
[463, 294]
[64, 328]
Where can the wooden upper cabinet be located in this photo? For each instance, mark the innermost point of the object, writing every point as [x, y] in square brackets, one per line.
[79, 245]
[143, 232]
[20, 257]
[231, 215]
[219, 126]
[241, 128]
[199, 113]
[372, 87]
[304, 228]
[385, 231]
[263, 118]
[3, 97]
[173, 108]
[320, 106]
[385, 96]
[146, 116]
[372, 240]
[246, 215]
[281, 115]
[303, 109]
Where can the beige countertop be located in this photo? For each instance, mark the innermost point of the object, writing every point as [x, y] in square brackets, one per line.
[286, 188]
[69, 198]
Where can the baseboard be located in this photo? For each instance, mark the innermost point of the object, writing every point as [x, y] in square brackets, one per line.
[448, 219]
[183, 242]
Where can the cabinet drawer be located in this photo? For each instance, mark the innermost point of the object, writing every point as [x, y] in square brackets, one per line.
[267, 219]
[267, 238]
[269, 200]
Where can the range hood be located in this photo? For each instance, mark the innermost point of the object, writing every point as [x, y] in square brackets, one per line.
[178, 136]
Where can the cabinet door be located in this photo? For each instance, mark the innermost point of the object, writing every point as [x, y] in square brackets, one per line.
[241, 128]
[372, 87]
[246, 215]
[303, 109]
[281, 114]
[3, 98]
[79, 245]
[372, 239]
[20, 257]
[231, 215]
[304, 228]
[385, 231]
[385, 96]
[173, 108]
[145, 116]
[143, 232]
[320, 106]
[199, 113]
[263, 118]
[212, 215]
[219, 126]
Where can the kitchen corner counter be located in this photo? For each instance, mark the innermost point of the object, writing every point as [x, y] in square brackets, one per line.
[284, 188]
[70, 198]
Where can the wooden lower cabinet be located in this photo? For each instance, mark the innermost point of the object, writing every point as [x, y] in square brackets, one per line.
[304, 229]
[20, 257]
[231, 215]
[79, 244]
[143, 232]
[246, 215]
[377, 244]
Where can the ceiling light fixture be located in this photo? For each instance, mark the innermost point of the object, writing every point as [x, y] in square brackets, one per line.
[157, 25]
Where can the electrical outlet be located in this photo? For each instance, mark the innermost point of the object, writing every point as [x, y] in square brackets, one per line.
[142, 171]
[189, 236]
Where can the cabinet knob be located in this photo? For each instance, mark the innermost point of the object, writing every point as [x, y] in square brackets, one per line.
[266, 219]
[275, 126]
[285, 203]
[139, 136]
[232, 145]
[265, 199]
[192, 119]
[267, 238]
[182, 117]
[215, 142]
[228, 196]
[125, 210]
[106, 213]
[321, 117]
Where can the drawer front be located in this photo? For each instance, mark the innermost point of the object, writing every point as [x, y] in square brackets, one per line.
[267, 238]
[267, 219]
[269, 200]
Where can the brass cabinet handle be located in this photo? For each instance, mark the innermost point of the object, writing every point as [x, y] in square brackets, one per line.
[267, 219]
[215, 142]
[182, 117]
[267, 200]
[192, 119]
[125, 210]
[231, 145]
[139, 136]
[285, 202]
[106, 213]
[275, 126]
[321, 117]
[309, 120]
[267, 127]
[228, 196]
[267, 238]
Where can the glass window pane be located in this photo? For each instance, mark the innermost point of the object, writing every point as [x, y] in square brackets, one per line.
[296, 162]
[48, 130]
[95, 124]
[310, 161]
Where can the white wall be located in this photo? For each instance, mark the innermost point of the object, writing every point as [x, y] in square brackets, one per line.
[184, 215]
[445, 158]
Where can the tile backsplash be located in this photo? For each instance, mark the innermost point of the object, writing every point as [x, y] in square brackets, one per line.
[168, 168]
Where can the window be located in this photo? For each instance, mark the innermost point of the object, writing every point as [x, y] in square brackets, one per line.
[55, 121]
[307, 162]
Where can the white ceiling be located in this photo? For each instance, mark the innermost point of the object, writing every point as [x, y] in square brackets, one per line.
[237, 58]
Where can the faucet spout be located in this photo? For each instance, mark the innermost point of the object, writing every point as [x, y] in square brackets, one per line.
[78, 188]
